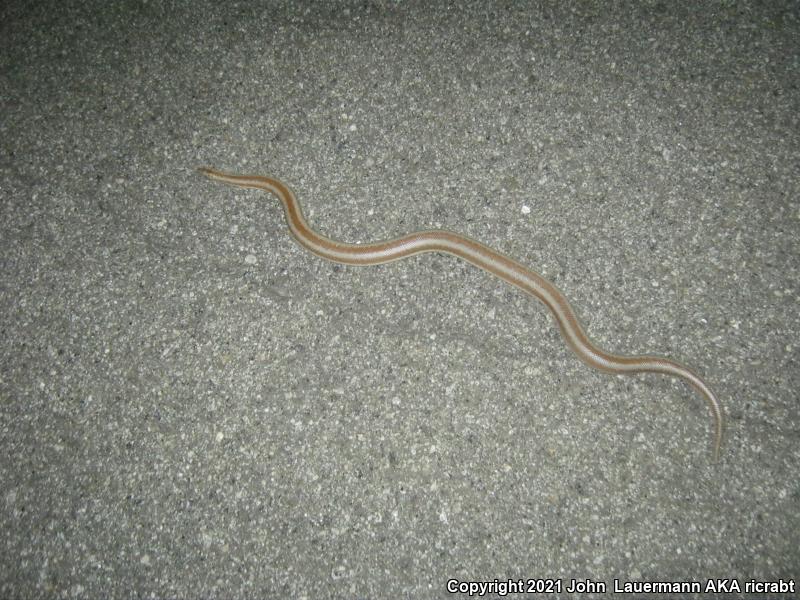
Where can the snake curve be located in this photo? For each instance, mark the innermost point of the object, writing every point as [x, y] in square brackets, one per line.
[490, 261]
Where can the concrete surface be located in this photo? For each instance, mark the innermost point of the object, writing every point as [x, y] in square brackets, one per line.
[193, 406]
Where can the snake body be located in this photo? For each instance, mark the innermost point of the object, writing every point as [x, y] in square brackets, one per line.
[490, 261]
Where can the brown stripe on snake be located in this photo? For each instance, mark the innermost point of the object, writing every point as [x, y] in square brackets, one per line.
[490, 261]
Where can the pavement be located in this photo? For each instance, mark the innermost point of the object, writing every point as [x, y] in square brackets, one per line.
[193, 406]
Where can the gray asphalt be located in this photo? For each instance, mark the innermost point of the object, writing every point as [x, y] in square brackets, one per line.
[193, 406]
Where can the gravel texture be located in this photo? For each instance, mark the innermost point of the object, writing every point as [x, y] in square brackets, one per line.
[193, 406]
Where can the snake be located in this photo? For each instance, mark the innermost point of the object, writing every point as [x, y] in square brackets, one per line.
[489, 260]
